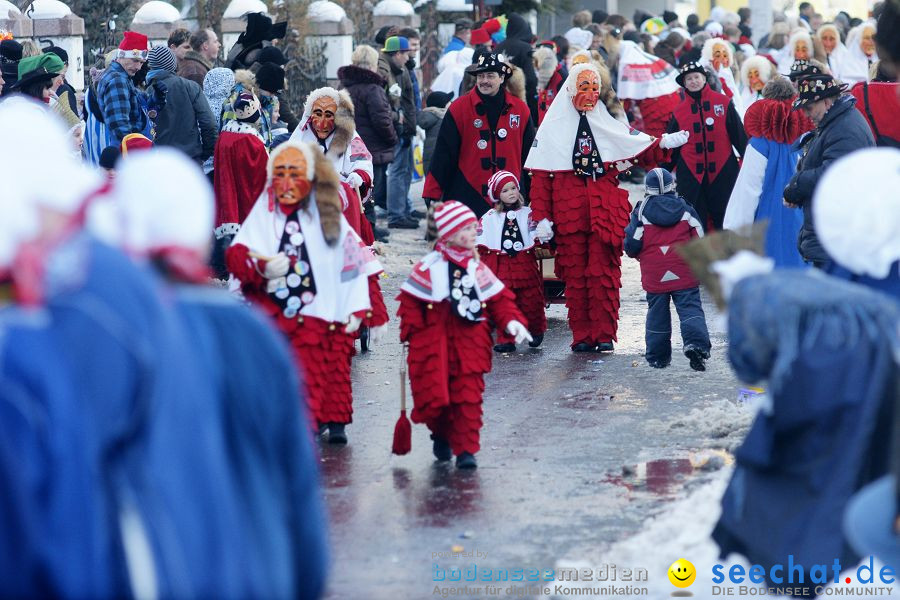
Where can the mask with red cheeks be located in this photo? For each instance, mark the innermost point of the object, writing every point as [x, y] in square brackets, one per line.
[587, 91]
[720, 57]
[801, 50]
[290, 183]
[829, 40]
[868, 41]
[322, 116]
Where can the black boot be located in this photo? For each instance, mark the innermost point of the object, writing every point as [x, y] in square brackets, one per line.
[441, 449]
[336, 434]
[537, 340]
[605, 347]
[466, 460]
[696, 356]
[582, 347]
[364, 339]
[505, 347]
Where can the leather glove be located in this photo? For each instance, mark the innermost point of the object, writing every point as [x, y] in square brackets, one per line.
[277, 266]
[354, 180]
[671, 141]
[376, 334]
[517, 330]
[354, 324]
[544, 230]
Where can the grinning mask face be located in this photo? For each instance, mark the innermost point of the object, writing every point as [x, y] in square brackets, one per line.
[720, 57]
[868, 41]
[829, 40]
[801, 50]
[289, 181]
[587, 91]
[753, 79]
[322, 116]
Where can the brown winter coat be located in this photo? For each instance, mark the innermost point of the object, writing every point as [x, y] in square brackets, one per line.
[194, 67]
[406, 104]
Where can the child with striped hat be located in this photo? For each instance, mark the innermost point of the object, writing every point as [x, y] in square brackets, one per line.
[446, 309]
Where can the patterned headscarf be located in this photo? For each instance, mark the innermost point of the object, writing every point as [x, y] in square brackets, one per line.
[217, 87]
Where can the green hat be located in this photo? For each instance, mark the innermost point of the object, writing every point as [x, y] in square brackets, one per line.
[50, 62]
[395, 43]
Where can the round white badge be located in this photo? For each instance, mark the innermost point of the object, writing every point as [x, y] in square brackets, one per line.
[297, 238]
[468, 281]
[518, 246]
[475, 307]
[502, 134]
[478, 123]
[293, 280]
[293, 302]
[456, 293]
[462, 311]
[292, 227]
[709, 120]
[464, 302]
[307, 297]
[482, 144]
[507, 244]
[302, 267]
[282, 293]
[289, 313]
[511, 215]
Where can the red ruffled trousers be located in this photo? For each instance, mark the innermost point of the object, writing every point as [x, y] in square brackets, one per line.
[521, 275]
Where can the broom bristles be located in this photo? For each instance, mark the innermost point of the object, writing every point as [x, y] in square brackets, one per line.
[402, 435]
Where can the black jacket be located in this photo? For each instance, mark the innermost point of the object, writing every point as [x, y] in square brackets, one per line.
[842, 131]
[406, 104]
[430, 119]
[374, 118]
[185, 122]
[517, 48]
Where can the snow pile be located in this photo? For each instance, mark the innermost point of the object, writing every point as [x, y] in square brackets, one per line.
[156, 11]
[722, 423]
[48, 9]
[453, 5]
[324, 11]
[239, 8]
[393, 8]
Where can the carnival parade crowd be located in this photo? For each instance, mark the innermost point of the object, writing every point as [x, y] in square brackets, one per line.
[189, 265]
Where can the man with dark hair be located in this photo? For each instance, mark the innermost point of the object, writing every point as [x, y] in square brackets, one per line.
[744, 13]
[599, 16]
[806, 13]
[179, 42]
[886, 33]
[201, 57]
[461, 36]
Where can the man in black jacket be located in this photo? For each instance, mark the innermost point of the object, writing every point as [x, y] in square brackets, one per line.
[185, 122]
[840, 129]
[518, 49]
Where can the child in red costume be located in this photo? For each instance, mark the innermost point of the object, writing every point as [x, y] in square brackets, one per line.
[299, 260]
[577, 154]
[446, 309]
[506, 240]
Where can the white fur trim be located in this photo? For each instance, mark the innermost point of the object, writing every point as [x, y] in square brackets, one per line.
[706, 53]
[323, 92]
[761, 64]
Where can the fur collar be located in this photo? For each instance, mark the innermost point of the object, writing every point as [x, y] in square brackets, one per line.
[351, 74]
[774, 120]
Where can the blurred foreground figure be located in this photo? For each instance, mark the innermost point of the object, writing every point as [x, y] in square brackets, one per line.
[271, 461]
[114, 463]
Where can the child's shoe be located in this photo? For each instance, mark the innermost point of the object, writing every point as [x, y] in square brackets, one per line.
[441, 449]
[466, 460]
[536, 340]
[336, 434]
[505, 347]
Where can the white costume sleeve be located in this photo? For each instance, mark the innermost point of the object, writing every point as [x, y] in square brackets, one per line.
[745, 196]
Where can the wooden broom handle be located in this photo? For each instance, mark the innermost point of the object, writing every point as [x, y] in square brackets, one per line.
[403, 355]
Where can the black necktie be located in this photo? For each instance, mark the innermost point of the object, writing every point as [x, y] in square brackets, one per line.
[464, 302]
[298, 288]
[511, 240]
[586, 158]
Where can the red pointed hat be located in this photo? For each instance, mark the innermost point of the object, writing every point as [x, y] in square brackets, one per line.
[134, 45]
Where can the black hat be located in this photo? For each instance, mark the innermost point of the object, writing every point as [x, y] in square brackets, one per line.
[803, 68]
[438, 99]
[271, 54]
[109, 157]
[260, 28]
[816, 87]
[62, 54]
[669, 16]
[490, 62]
[384, 33]
[11, 50]
[691, 67]
[270, 78]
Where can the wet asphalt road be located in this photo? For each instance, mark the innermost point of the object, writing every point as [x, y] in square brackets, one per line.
[558, 430]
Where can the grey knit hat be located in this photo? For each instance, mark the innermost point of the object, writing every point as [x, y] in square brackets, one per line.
[162, 57]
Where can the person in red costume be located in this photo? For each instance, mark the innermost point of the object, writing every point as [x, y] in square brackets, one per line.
[574, 163]
[446, 309]
[299, 260]
[706, 167]
[328, 121]
[484, 131]
[506, 241]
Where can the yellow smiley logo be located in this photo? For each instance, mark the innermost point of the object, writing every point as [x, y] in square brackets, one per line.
[682, 573]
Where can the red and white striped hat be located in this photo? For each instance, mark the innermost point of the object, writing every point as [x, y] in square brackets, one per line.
[497, 182]
[452, 216]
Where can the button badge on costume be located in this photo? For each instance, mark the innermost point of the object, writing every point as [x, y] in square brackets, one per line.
[502, 134]
[478, 123]
[710, 121]
[482, 144]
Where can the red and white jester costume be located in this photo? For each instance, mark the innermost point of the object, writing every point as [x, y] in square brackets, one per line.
[446, 309]
[574, 161]
[299, 260]
[506, 240]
